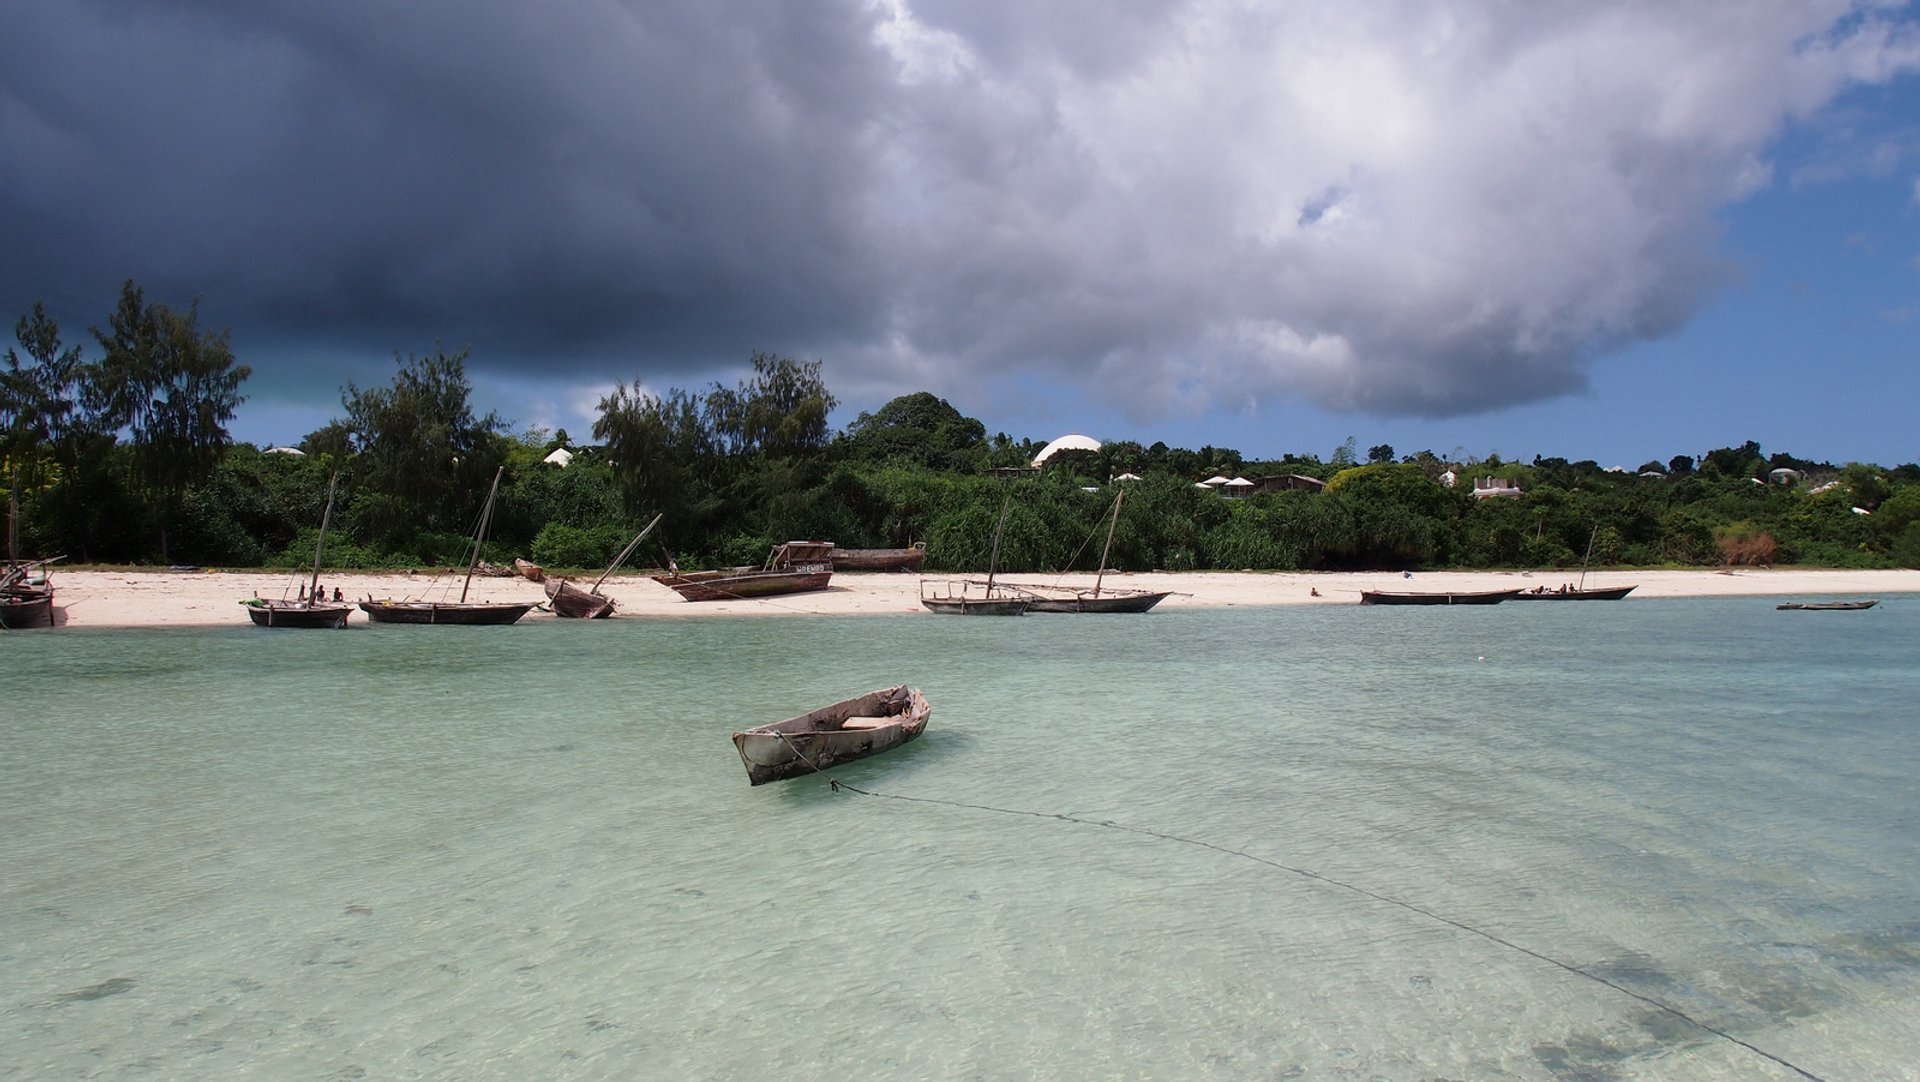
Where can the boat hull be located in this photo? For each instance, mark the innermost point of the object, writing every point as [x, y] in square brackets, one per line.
[846, 731]
[571, 601]
[1827, 606]
[1611, 593]
[1475, 597]
[296, 614]
[444, 612]
[1106, 601]
[908, 559]
[23, 610]
[735, 586]
[975, 606]
[972, 599]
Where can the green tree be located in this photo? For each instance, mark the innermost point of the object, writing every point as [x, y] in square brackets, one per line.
[661, 453]
[172, 388]
[780, 413]
[422, 452]
[38, 399]
[921, 429]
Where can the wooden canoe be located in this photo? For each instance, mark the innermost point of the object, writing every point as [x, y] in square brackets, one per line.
[1469, 597]
[853, 729]
[1827, 606]
[907, 559]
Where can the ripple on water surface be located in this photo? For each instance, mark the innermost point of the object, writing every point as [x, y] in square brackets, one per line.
[1242, 843]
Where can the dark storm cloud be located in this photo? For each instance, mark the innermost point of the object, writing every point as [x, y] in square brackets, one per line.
[558, 181]
[1173, 203]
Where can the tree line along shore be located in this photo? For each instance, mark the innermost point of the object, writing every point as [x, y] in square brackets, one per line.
[123, 457]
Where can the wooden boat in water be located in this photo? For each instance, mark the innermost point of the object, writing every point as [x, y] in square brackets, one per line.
[566, 599]
[848, 730]
[1097, 599]
[1827, 606]
[791, 568]
[1570, 593]
[309, 610]
[1451, 597]
[906, 559]
[413, 611]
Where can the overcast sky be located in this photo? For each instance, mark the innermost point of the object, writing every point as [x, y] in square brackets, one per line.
[1605, 229]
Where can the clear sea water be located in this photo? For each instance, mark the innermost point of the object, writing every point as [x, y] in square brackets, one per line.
[530, 852]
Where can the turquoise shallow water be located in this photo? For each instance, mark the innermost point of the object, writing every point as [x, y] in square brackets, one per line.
[402, 852]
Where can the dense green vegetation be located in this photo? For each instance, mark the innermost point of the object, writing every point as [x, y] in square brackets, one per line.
[126, 459]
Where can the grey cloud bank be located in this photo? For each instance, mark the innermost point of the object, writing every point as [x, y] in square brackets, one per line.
[1384, 207]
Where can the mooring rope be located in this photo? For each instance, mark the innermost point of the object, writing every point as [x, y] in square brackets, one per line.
[1108, 824]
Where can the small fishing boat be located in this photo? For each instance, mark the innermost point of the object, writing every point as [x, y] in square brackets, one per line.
[791, 568]
[972, 597]
[906, 559]
[26, 598]
[1097, 599]
[1451, 597]
[566, 599]
[1572, 593]
[309, 610]
[1577, 591]
[849, 730]
[413, 611]
[1827, 606]
[26, 595]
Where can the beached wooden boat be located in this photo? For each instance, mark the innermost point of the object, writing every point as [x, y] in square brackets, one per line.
[791, 568]
[1577, 591]
[391, 611]
[26, 599]
[1099, 598]
[310, 609]
[566, 599]
[1060, 599]
[1827, 606]
[26, 595]
[971, 597]
[1450, 597]
[849, 730]
[297, 613]
[1570, 593]
[907, 559]
[413, 611]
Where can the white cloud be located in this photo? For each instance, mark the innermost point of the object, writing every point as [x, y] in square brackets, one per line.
[1416, 209]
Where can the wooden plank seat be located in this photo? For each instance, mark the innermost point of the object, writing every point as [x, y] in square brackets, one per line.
[866, 723]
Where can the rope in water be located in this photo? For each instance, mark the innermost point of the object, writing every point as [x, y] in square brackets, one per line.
[1108, 824]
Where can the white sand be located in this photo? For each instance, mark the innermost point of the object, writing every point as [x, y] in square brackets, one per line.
[179, 599]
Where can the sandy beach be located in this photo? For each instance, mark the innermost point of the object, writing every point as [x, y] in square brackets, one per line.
[120, 599]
